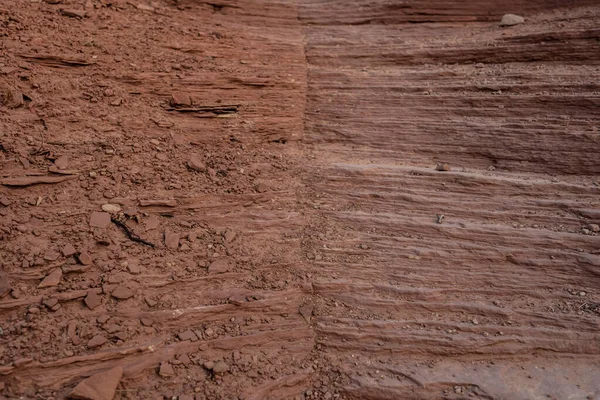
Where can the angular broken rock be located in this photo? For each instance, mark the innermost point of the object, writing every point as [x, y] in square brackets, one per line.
[11, 98]
[122, 293]
[133, 268]
[103, 318]
[187, 335]
[196, 165]
[52, 279]
[220, 367]
[306, 311]
[180, 100]
[229, 236]
[171, 239]
[101, 386]
[96, 341]
[166, 370]
[50, 303]
[99, 219]
[68, 250]
[237, 299]
[219, 266]
[92, 300]
[152, 222]
[511, 19]
[51, 255]
[150, 302]
[62, 162]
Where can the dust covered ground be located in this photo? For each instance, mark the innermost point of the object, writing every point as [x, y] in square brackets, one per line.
[301, 199]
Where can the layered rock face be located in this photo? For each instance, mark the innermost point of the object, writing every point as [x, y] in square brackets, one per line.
[300, 199]
[470, 278]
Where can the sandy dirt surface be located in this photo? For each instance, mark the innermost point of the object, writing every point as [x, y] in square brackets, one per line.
[333, 199]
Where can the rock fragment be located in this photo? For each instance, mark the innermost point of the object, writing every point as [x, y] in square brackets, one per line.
[196, 165]
[122, 293]
[443, 167]
[209, 365]
[68, 250]
[99, 219]
[101, 386]
[111, 208]
[50, 303]
[306, 311]
[152, 222]
[96, 341]
[62, 162]
[166, 370]
[171, 239]
[237, 299]
[229, 236]
[180, 100]
[92, 300]
[51, 255]
[11, 98]
[262, 188]
[19, 362]
[33, 310]
[73, 13]
[187, 335]
[184, 359]
[151, 302]
[51, 279]
[220, 367]
[134, 268]
[219, 266]
[511, 19]
[85, 259]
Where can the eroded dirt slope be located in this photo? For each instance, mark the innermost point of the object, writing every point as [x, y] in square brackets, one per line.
[239, 199]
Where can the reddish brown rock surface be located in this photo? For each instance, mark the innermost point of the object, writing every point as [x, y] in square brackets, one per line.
[52, 279]
[289, 149]
[99, 219]
[101, 386]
